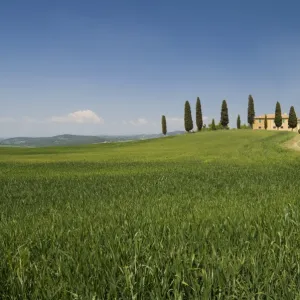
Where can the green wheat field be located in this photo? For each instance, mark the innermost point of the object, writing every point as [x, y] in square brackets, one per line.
[212, 215]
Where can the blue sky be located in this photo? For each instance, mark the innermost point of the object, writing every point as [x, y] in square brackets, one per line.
[114, 67]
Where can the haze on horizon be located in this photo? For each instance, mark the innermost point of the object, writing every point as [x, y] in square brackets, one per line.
[114, 68]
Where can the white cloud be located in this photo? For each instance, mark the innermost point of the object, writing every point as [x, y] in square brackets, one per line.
[181, 120]
[138, 122]
[7, 120]
[27, 119]
[172, 122]
[175, 120]
[80, 117]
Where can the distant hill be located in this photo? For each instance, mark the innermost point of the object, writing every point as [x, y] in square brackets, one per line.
[69, 139]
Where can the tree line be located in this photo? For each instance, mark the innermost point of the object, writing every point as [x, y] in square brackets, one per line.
[224, 119]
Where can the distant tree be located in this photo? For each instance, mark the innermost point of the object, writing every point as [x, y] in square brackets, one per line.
[224, 114]
[292, 118]
[266, 122]
[251, 111]
[213, 125]
[278, 116]
[164, 125]
[188, 121]
[219, 126]
[238, 122]
[245, 126]
[199, 119]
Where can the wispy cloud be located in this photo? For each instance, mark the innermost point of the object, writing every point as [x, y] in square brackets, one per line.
[175, 120]
[22, 120]
[27, 119]
[138, 122]
[7, 120]
[181, 120]
[79, 117]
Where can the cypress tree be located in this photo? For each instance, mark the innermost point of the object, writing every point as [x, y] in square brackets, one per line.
[213, 125]
[251, 111]
[278, 116]
[238, 122]
[164, 125]
[293, 122]
[266, 122]
[188, 121]
[224, 114]
[199, 119]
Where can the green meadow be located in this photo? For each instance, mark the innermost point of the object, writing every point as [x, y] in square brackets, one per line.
[212, 215]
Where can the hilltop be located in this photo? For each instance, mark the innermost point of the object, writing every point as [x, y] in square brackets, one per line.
[69, 139]
[242, 146]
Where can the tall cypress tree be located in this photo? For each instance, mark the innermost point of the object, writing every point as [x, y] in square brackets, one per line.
[278, 115]
[199, 119]
[213, 125]
[266, 122]
[238, 122]
[251, 111]
[188, 121]
[164, 125]
[293, 122]
[224, 114]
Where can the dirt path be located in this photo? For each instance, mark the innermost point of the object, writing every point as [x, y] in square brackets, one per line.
[294, 143]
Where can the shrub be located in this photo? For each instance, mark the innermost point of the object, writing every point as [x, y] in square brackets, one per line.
[245, 126]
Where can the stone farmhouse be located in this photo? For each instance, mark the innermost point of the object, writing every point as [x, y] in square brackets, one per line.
[259, 122]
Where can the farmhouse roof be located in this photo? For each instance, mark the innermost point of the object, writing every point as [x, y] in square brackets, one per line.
[272, 116]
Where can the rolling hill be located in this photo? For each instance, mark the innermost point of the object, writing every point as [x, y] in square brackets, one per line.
[69, 139]
[211, 215]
